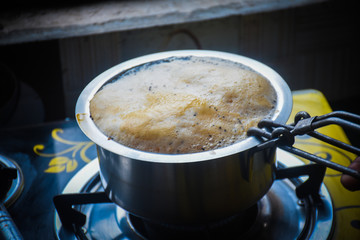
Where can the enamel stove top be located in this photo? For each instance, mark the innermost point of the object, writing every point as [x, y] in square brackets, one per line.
[278, 215]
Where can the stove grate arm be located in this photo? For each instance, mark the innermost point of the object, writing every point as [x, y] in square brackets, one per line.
[72, 219]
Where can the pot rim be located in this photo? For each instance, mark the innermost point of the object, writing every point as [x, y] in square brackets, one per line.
[82, 111]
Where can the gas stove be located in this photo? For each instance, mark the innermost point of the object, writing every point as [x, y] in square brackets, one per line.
[279, 209]
[56, 159]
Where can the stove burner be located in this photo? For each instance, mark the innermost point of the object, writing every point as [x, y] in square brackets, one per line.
[230, 228]
[14, 185]
[11, 186]
[280, 214]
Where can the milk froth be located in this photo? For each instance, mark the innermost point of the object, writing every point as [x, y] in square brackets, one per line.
[182, 105]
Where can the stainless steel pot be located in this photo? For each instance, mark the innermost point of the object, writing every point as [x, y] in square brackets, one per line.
[184, 188]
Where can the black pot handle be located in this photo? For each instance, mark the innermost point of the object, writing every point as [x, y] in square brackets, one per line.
[283, 136]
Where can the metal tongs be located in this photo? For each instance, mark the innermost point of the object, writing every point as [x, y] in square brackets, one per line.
[283, 136]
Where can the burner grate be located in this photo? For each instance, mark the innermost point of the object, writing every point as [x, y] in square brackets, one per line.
[11, 181]
[281, 208]
[230, 228]
[11, 185]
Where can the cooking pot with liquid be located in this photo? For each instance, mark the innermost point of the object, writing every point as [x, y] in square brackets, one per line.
[184, 188]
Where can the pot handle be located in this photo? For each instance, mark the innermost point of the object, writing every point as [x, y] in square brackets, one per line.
[283, 136]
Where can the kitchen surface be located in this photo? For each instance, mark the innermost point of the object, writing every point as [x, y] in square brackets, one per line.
[45, 64]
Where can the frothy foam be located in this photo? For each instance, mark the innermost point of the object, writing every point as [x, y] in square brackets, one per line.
[183, 105]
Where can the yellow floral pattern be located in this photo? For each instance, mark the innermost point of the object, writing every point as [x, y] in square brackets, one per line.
[346, 204]
[65, 160]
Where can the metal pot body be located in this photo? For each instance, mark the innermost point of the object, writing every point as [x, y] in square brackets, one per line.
[184, 188]
[187, 193]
